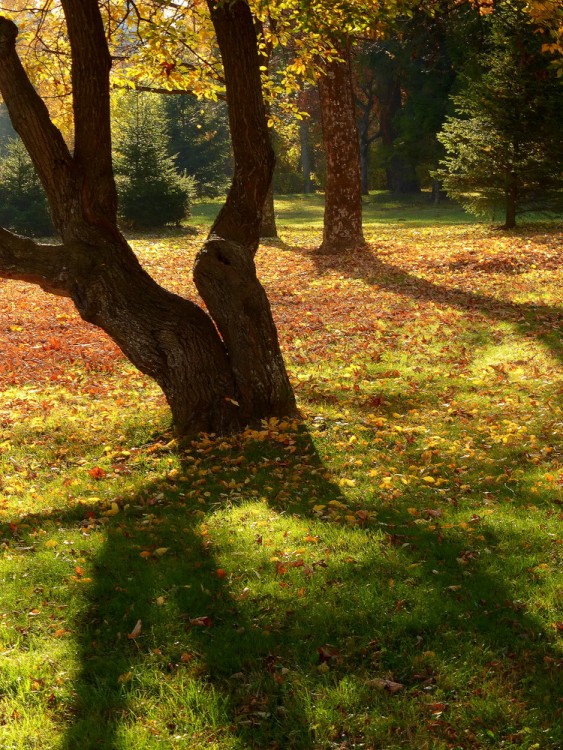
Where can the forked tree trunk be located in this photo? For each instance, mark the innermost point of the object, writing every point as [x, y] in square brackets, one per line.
[343, 193]
[220, 372]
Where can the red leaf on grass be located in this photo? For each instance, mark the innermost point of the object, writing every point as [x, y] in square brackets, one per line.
[205, 622]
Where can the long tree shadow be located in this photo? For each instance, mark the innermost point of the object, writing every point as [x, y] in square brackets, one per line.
[532, 320]
[241, 654]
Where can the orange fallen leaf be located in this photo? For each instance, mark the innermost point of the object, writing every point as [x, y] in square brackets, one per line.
[97, 473]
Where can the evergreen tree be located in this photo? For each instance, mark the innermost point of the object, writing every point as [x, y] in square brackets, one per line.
[504, 147]
[23, 205]
[200, 142]
[152, 193]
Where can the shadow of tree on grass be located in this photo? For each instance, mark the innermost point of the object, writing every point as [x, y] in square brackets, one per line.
[542, 322]
[239, 651]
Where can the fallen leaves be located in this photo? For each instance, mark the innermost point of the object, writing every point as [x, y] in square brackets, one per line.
[136, 632]
[389, 685]
[201, 622]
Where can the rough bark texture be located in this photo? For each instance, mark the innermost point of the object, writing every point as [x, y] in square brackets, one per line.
[224, 272]
[198, 360]
[343, 194]
[268, 227]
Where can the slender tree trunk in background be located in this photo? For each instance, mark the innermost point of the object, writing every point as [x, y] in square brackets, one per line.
[305, 156]
[511, 201]
[364, 166]
[400, 172]
[210, 387]
[343, 193]
[365, 129]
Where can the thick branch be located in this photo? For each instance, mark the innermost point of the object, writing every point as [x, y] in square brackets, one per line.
[91, 64]
[31, 120]
[25, 260]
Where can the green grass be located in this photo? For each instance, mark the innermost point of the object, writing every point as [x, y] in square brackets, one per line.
[378, 208]
[384, 574]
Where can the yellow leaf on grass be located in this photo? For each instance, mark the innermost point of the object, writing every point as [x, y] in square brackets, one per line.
[430, 480]
[51, 543]
[161, 551]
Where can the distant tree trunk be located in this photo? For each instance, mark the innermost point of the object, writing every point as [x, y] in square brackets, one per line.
[305, 156]
[437, 192]
[343, 194]
[220, 372]
[365, 106]
[400, 172]
[511, 200]
[364, 166]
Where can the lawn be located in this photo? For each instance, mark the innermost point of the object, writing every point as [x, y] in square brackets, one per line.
[383, 573]
[379, 207]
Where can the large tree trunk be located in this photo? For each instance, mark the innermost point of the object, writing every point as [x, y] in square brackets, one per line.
[343, 195]
[224, 273]
[220, 372]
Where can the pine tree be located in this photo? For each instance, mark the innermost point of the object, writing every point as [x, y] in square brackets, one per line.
[200, 142]
[505, 144]
[152, 193]
[23, 205]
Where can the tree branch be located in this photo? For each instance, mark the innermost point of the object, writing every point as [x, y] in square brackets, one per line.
[26, 260]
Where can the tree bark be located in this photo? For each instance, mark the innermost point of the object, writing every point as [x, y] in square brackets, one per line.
[343, 195]
[268, 227]
[224, 272]
[218, 373]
